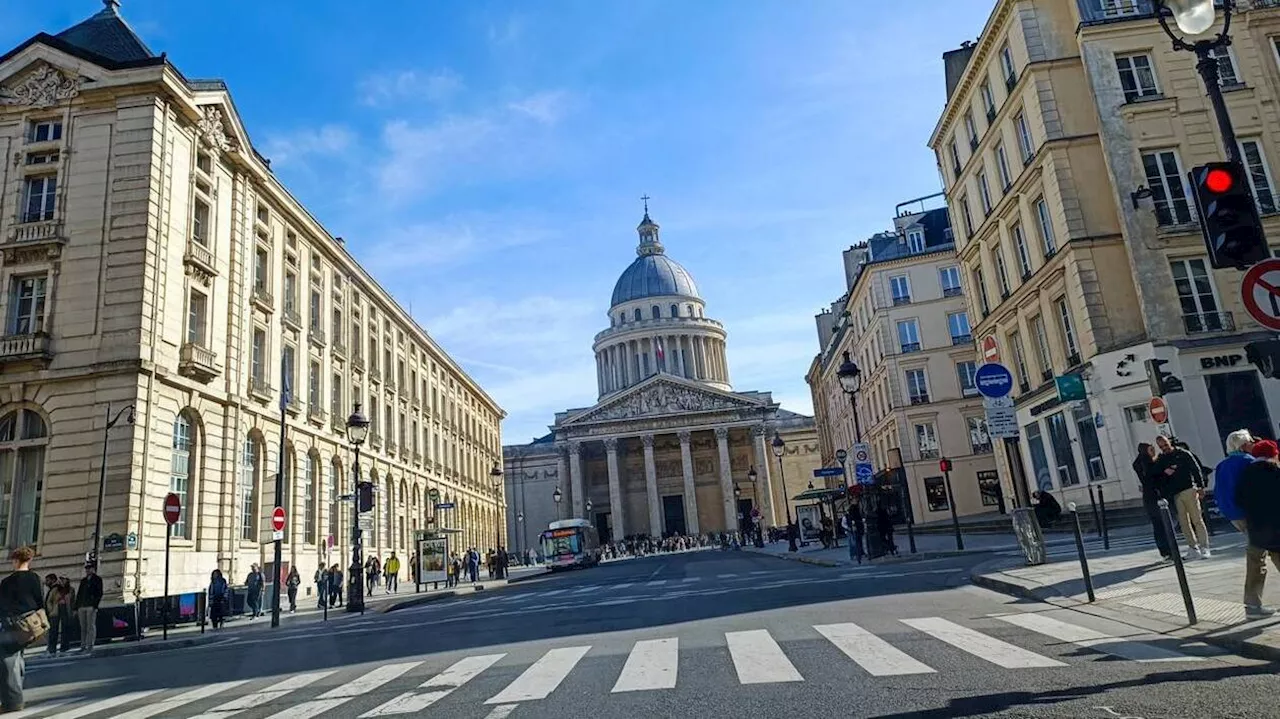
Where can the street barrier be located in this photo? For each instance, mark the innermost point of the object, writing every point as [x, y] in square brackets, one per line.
[1084, 560]
[1176, 553]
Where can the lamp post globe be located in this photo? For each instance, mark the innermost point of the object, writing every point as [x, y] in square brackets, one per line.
[752, 476]
[1194, 17]
[357, 427]
[849, 375]
[556, 496]
[841, 456]
[588, 506]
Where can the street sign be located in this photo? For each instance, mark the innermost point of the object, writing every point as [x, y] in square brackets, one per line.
[1159, 410]
[861, 452]
[113, 543]
[1002, 421]
[828, 472]
[1070, 387]
[993, 380]
[277, 519]
[1260, 290]
[444, 505]
[990, 349]
[131, 541]
[865, 473]
[365, 521]
[172, 509]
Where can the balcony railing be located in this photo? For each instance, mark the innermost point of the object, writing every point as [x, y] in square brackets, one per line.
[291, 317]
[1046, 375]
[375, 440]
[357, 362]
[375, 374]
[929, 454]
[41, 231]
[339, 349]
[952, 291]
[259, 388]
[391, 445]
[901, 300]
[920, 399]
[198, 362]
[315, 413]
[1073, 360]
[1210, 321]
[984, 448]
[961, 339]
[199, 256]
[263, 298]
[294, 405]
[417, 458]
[15, 348]
[316, 335]
[909, 347]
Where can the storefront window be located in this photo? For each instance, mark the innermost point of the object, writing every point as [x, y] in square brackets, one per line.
[989, 488]
[1062, 450]
[935, 491]
[1039, 462]
[1083, 415]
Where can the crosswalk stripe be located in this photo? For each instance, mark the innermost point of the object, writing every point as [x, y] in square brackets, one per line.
[347, 691]
[1091, 639]
[176, 702]
[725, 576]
[441, 685]
[262, 696]
[502, 711]
[980, 645]
[37, 709]
[624, 585]
[688, 580]
[656, 583]
[758, 659]
[542, 677]
[652, 664]
[554, 592]
[878, 657]
[584, 590]
[105, 704]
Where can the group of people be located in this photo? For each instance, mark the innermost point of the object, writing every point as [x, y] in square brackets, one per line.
[1169, 470]
[68, 606]
[377, 573]
[1247, 490]
[855, 528]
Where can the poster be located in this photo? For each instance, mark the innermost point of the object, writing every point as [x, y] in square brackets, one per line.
[809, 517]
[1027, 529]
[432, 553]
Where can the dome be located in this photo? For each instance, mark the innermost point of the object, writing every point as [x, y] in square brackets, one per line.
[653, 275]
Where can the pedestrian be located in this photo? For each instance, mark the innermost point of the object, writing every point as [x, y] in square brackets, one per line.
[392, 569]
[219, 599]
[1257, 496]
[450, 571]
[58, 601]
[1048, 510]
[370, 575]
[885, 524]
[20, 603]
[1182, 484]
[335, 585]
[473, 565]
[88, 597]
[413, 571]
[1227, 475]
[291, 584]
[321, 580]
[253, 584]
[1144, 465]
[855, 527]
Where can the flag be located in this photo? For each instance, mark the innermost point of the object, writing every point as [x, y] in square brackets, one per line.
[286, 382]
[660, 354]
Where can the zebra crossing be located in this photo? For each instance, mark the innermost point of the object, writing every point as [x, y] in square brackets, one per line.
[454, 687]
[1060, 549]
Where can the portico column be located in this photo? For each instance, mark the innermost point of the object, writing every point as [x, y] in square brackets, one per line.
[699, 357]
[575, 476]
[690, 496]
[615, 490]
[562, 469]
[651, 487]
[726, 480]
[763, 476]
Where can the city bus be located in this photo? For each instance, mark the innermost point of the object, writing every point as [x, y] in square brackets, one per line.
[570, 543]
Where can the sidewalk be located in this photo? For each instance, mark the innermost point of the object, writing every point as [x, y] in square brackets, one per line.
[1137, 588]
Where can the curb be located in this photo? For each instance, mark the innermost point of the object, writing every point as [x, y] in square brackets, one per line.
[417, 601]
[900, 559]
[135, 647]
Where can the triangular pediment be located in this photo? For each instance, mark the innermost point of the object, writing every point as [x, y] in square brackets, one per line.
[39, 83]
[663, 396]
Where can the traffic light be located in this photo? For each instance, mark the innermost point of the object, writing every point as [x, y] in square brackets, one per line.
[1265, 355]
[944, 465]
[364, 497]
[1228, 215]
[1161, 382]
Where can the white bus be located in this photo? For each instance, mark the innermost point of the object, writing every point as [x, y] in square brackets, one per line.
[570, 543]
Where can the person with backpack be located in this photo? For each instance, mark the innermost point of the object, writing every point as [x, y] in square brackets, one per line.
[20, 603]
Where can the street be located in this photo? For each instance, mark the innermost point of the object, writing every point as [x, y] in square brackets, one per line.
[698, 634]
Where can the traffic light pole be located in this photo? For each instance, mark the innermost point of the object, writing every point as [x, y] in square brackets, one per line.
[355, 582]
[1207, 65]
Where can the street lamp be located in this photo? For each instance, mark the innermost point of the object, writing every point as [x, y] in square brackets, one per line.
[850, 377]
[778, 448]
[1195, 17]
[588, 506]
[557, 496]
[496, 473]
[357, 431]
[92, 557]
[520, 535]
[752, 476]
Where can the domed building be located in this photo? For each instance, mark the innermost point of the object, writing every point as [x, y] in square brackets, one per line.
[669, 447]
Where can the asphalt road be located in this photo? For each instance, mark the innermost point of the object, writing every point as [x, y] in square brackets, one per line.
[704, 634]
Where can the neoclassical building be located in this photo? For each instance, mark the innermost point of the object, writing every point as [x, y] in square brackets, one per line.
[151, 259]
[669, 445]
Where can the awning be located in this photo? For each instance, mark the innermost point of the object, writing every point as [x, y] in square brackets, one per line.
[822, 495]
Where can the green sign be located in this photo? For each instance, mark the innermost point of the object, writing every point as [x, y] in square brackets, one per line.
[1070, 387]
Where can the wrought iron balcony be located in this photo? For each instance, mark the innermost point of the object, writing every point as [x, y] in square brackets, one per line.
[929, 454]
[909, 347]
[264, 299]
[291, 317]
[901, 300]
[19, 348]
[920, 399]
[316, 335]
[339, 349]
[200, 257]
[952, 292]
[982, 448]
[374, 373]
[259, 388]
[1209, 321]
[198, 362]
[961, 339]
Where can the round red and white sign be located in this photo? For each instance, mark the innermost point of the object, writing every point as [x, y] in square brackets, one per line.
[1260, 291]
[172, 508]
[990, 350]
[277, 519]
[1159, 410]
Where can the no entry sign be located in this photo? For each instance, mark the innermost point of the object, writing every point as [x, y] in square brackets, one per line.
[1159, 410]
[990, 350]
[172, 509]
[1260, 290]
[277, 519]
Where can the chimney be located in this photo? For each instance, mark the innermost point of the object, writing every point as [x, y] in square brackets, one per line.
[954, 63]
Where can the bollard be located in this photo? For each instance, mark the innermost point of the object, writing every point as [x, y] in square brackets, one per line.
[911, 534]
[1084, 561]
[1176, 553]
[1106, 531]
[1093, 502]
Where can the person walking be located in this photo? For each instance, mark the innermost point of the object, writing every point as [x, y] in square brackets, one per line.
[473, 565]
[58, 603]
[321, 580]
[413, 572]
[219, 599]
[1181, 481]
[1144, 465]
[370, 575]
[1226, 480]
[392, 570]
[335, 585]
[1257, 496]
[291, 584]
[253, 584]
[855, 528]
[19, 596]
[88, 597]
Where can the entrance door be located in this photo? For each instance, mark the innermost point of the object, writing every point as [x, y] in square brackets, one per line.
[602, 527]
[744, 514]
[673, 514]
[1236, 398]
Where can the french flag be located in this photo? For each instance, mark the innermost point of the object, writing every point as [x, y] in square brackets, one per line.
[660, 354]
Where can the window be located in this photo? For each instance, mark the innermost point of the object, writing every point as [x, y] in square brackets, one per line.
[1196, 295]
[1259, 175]
[958, 323]
[290, 292]
[38, 198]
[1068, 333]
[915, 241]
[373, 413]
[336, 326]
[979, 438]
[1120, 8]
[1089, 445]
[1006, 66]
[1042, 346]
[289, 368]
[984, 192]
[197, 311]
[204, 163]
[917, 387]
[971, 129]
[1020, 248]
[1025, 146]
[967, 372]
[355, 339]
[1019, 359]
[44, 130]
[927, 441]
[335, 504]
[313, 385]
[200, 222]
[954, 153]
[1002, 272]
[1227, 76]
[966, 216]
[1039, 459]
[250, 463]
[258, 356]
[950, 279]
[981, 284]
[335, 395]
[935, 491]
[315, 309]
[1136, 76]
[1164, 177]
[261, 269]
[1045, 223]
[1063, 452]
[901, 289]
[909, 335]
[1002, 167]
[23, 438]
[27, 316]
[638, 316]
[180, 472]
[988, 100]
[309, 499]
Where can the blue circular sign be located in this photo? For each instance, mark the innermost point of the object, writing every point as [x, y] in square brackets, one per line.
[994, 380]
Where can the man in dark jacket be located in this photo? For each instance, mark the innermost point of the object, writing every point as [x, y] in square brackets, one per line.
[1258, 497]
[1144, 466]
[87, 600]
[1182, 483]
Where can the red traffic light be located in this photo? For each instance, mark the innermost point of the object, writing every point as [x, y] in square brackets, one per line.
[944, 465]
[1219, 180]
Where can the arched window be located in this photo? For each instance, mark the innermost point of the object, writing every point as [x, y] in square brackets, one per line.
[657, 313]
[675, 310]
[250, 467]
[638, 316]
[23, 439]
[335, 505]
[309, 470]
[690, 308]
[181, 468]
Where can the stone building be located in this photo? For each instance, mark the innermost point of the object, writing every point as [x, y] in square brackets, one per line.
[152, 260]
[669, 446]
[1064, 146]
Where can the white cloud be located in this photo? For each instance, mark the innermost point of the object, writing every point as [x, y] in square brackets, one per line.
[506, 31]
[409, 85]
[545, 107]
[451, 242]
[327, 140]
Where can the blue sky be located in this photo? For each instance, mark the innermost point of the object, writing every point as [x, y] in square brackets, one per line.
[484, 159]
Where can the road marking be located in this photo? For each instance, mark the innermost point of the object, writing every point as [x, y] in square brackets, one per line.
[762, 571]
[759, 659]
[688, 580]
[656, 583]
[344, 693]
[554, 592]
[502, 711]
[1090, 639]
[624, 585]
[651, 665]
[180, 700]
[39, 708]
[726, 576]
[271, 693]
[878, 657]
[441, 685]
[104, 704]
[584, 590]
[542, 677]
[980, 645]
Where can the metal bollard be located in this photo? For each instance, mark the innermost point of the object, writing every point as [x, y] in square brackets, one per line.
[1176, 553]
[1097, 523]
[1084, 561]
[1106, 531]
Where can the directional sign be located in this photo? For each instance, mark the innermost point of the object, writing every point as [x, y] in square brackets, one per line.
[444, 505]
[277, 519]
[828, 472]
[993, 380]
[1159, 410]
[865, 473]
[990, 350]
[1260, 290]
[365, 521]
[1002, 421]
[172, 509]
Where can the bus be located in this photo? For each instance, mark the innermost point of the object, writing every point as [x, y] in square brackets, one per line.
[570, 543]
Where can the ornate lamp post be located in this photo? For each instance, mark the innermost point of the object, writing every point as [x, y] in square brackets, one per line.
[496, 473]
[850, 377]
[758, 533]
[1195, 17]
[92, 556]
[557, 496]
[357, 431]
[779, 447]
